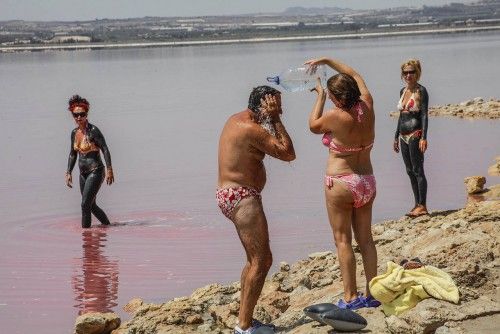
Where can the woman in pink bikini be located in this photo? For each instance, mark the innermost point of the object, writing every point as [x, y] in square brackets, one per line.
[348, 132]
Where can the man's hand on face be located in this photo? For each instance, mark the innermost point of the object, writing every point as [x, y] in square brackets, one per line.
[271, 105]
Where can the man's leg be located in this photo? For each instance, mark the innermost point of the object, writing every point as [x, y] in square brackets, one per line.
[251, 225]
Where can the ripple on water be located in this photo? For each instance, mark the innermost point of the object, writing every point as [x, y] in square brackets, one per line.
[53, 269]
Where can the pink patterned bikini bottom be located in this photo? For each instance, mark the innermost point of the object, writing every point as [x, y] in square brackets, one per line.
[362, 187]
[229, 198]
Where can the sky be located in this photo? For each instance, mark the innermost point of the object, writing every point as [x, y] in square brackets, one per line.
[70, 10]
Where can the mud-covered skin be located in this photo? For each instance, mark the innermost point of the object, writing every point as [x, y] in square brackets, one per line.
[89, 187]
[413, 156]
[410, 121]
[92, 172]
[89, 161]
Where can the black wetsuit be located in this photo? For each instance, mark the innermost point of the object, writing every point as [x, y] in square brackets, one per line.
[91, 173]
[409, 122]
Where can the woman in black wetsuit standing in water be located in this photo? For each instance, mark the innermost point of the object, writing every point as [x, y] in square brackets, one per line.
[88, 141]
[411, 132]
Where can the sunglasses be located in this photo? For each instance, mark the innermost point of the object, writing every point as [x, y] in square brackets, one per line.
[80, 114]
[409, 72]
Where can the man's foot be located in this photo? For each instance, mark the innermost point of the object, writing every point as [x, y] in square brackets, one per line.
[250, 330]
[256, 323]
[254, 330]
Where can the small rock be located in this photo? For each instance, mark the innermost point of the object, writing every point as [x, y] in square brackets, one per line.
[205, 328]
[397, 325]
[194, 319]
[133, 305]
[97, 323]
[284, 266]
[320, 255]
[281, 304]
[474, 184]
[388, 236]
[378, 228]
[494, 170]
[442, 330]
[453, 224]
[322, 282]
[421, 219]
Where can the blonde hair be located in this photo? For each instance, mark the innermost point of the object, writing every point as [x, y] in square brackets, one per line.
[415, 63]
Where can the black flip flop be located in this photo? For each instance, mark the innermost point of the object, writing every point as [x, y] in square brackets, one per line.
[314, 311]
[344, 320]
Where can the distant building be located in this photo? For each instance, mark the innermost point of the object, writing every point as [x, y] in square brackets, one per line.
[66, 39]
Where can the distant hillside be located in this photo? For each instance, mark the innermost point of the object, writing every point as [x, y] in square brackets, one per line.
[297, 11]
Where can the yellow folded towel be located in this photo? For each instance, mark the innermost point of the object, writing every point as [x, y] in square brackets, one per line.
[399, 290]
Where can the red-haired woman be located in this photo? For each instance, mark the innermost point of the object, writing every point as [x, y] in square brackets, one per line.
[88, 141]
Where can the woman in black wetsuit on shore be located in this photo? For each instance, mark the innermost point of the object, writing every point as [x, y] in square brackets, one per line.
[88, 141]
[411, 132]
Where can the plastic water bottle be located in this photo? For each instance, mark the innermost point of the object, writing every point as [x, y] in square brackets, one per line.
[299, 79]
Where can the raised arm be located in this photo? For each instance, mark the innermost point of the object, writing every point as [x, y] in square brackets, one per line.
[316, 122]
[279, 146]
[343, 68]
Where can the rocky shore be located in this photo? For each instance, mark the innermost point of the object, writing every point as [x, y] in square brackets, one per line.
[464, 243]
[470, 109]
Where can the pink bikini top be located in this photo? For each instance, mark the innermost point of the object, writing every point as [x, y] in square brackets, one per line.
[328, 138]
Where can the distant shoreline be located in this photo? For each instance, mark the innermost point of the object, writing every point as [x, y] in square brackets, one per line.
[95, 46]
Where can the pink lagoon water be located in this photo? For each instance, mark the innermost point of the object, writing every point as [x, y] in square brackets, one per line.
[161, 111]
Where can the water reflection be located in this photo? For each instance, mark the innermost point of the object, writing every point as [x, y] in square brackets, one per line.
[95, 280]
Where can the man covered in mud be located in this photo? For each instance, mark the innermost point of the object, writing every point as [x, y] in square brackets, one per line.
[244, 142]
